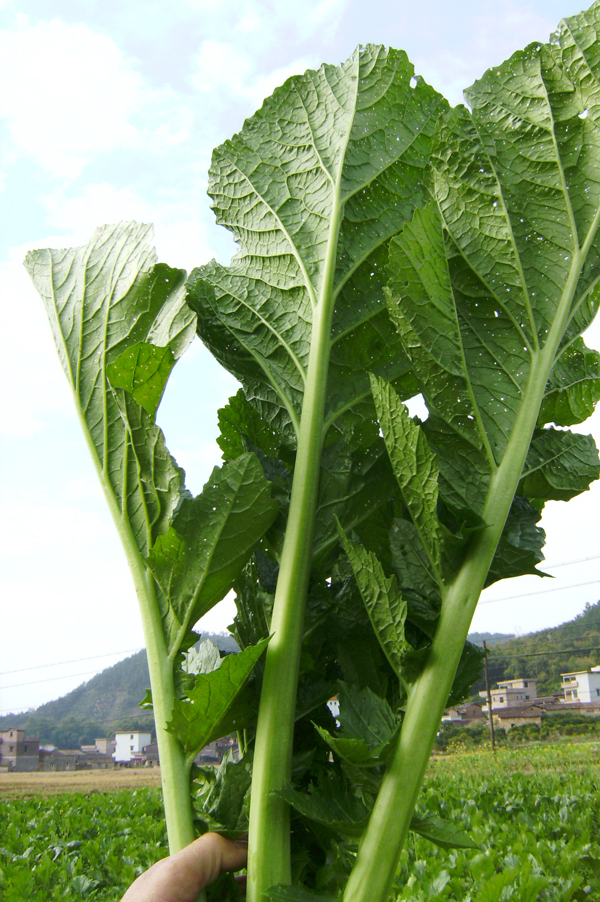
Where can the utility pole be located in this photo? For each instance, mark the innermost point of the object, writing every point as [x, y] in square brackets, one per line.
[489, 699]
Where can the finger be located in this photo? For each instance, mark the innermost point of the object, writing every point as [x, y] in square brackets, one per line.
[211, 854]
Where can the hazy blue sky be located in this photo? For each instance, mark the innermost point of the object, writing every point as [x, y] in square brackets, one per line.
[109, 110]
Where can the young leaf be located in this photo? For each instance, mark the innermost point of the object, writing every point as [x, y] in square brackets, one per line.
[415, 466]
[241, 429]
[210, 539]
[143, 370]
[222, 803]
[198, 719]
[383, 601]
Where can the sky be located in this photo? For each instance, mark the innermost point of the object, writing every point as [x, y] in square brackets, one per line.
[109, 111]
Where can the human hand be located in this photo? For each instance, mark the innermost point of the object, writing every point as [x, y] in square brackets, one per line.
[182, 877]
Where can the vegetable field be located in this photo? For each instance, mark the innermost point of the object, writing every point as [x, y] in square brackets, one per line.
[534, 812]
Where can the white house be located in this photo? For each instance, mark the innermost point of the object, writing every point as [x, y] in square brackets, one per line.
[512, 693]
[582, 685]
[129, 745]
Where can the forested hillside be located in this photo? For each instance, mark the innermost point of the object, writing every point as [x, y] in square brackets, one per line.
[574, 645]
[107, 702]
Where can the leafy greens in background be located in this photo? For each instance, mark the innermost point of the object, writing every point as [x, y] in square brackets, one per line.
[387, 246]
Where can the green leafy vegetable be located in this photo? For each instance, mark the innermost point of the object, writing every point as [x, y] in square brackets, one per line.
[387, 247]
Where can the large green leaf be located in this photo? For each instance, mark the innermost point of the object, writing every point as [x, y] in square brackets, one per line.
[209, 541]
[478, 279]
[101, 300]
[334, 159]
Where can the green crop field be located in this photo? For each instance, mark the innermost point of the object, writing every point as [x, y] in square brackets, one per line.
[534, 812]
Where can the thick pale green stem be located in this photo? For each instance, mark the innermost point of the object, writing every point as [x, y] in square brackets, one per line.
[269, 829]
[372, 877]
[269, 842]
[174, 772]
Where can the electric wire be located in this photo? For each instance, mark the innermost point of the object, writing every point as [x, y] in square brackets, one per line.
[591, 582]
[110, 654]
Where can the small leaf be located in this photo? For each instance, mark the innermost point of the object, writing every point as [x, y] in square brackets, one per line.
[241, 427]
[520, 545]
[363, 715]
[383, 601]
[443, 833]
[224, 803]
[142, 370]
[368, 727]
[355, 751]
[559, 466]
[573, 389]
[330, 803]
[197, 720]
[414, 463]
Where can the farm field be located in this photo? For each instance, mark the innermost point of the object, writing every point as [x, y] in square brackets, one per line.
[533, 811]
[84, 781]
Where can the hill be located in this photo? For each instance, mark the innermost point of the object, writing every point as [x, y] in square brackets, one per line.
[574, 645]
[98, 707]
[489, 638]
[109, 701]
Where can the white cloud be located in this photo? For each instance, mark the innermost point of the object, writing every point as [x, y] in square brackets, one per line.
[493, 37]
[69, 95]
[180, 235]
[226, 68]
[67, 92]
[324, 11]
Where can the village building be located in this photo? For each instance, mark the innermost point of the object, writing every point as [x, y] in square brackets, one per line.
[463, 713]
[129, 746]
[18, 752]
[582, 686]
[507, 718]
[512, 693]
[104, 746]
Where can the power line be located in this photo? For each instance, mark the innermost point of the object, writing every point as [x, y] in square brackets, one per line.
[67, 676]
[579, 560]
[110, 654]
[591, 582]
[545, 654]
